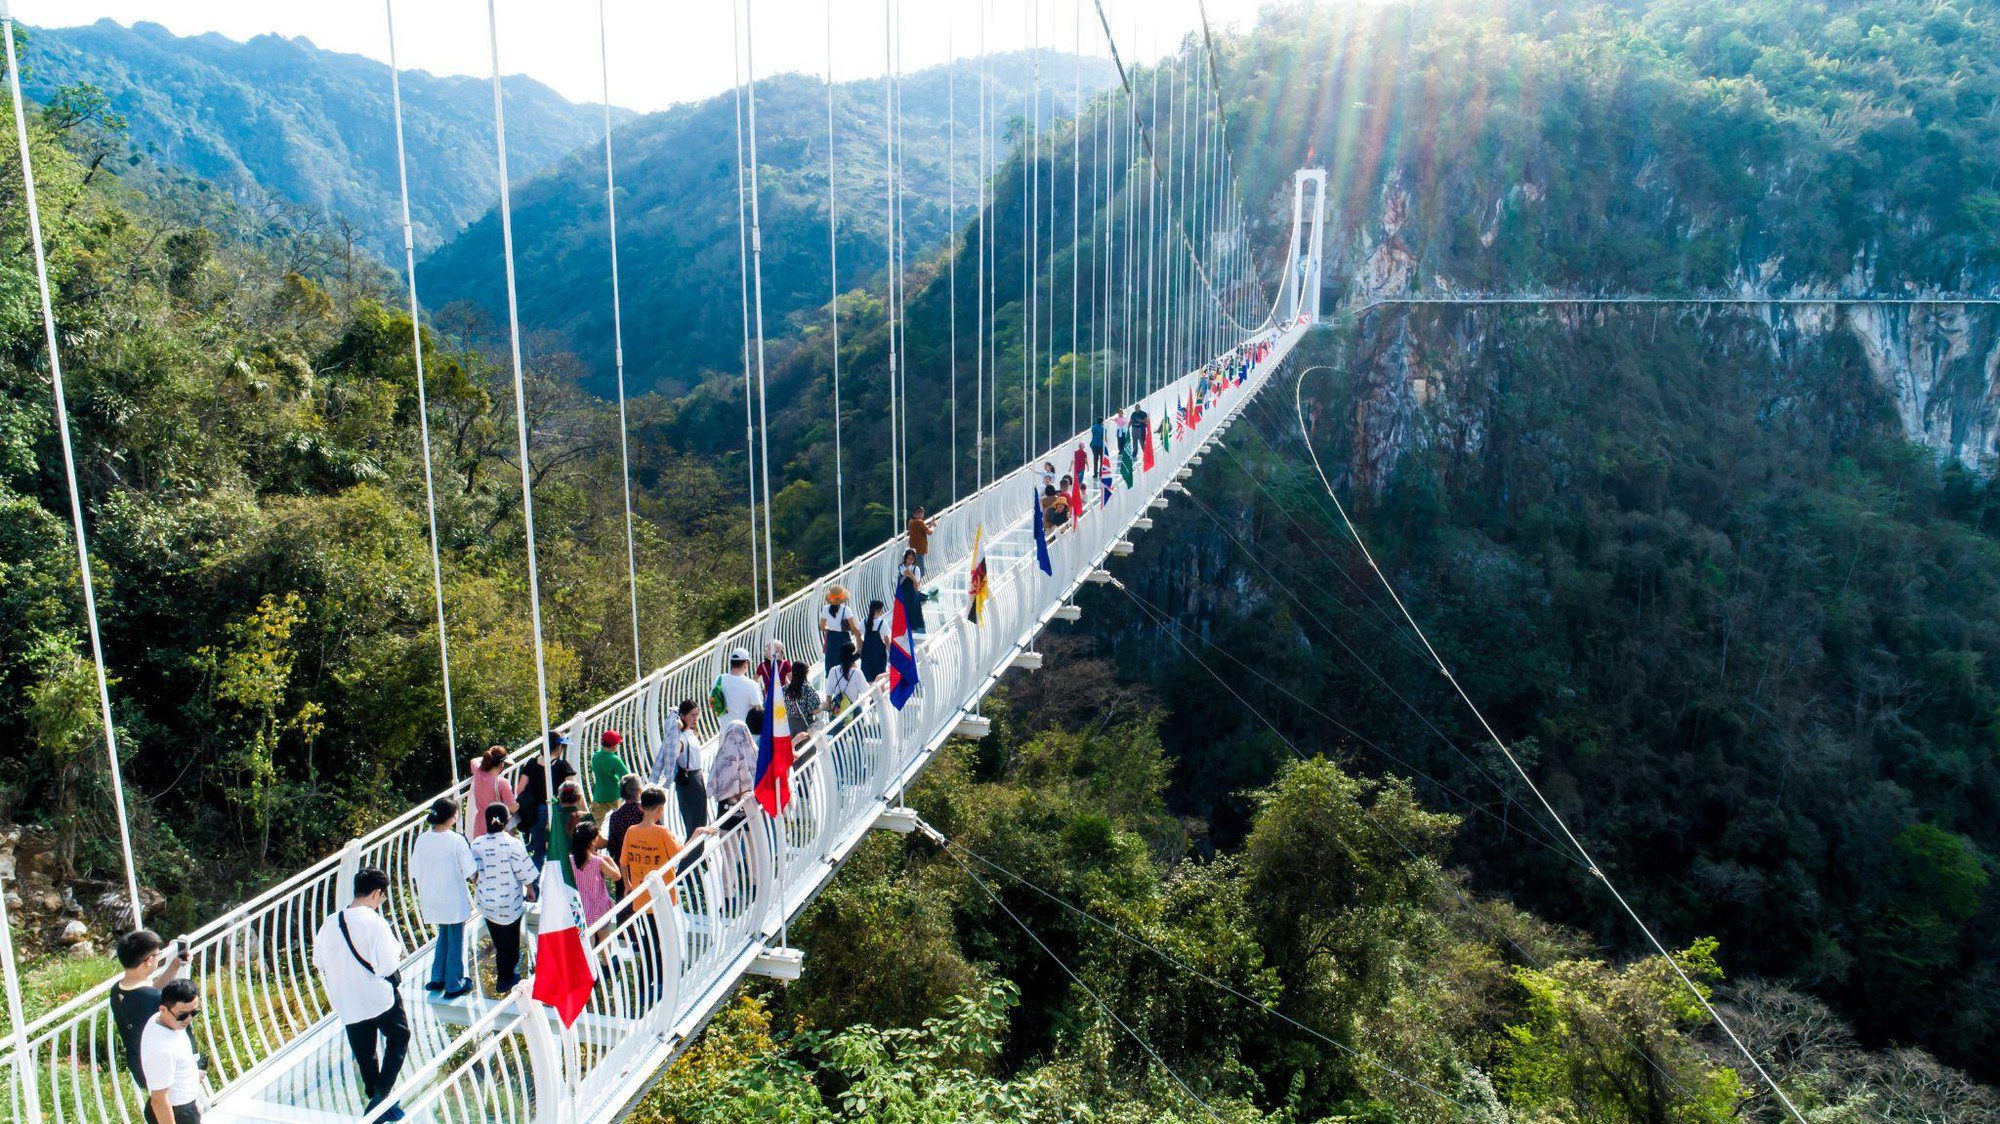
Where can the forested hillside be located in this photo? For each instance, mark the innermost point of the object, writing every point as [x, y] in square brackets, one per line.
[679, 261]
[247, 451]
[280, 122]
[1735, 620]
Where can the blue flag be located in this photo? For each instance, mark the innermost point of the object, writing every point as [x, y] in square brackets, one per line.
[1041, 540]
[902, 647]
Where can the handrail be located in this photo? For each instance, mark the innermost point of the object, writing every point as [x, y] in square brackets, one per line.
[668, 951]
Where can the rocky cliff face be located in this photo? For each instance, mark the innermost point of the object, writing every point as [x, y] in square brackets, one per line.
[1421, 382]
[1937, 366]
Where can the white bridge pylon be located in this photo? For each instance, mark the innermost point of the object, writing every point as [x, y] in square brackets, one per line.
[275, 1051]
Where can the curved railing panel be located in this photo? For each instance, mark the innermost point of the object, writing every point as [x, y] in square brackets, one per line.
[669, 953]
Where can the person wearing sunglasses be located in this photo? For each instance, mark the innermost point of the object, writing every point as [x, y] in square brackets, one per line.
[166, 1057]
[149, 963]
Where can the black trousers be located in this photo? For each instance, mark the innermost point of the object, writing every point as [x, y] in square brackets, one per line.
[189, 1113]
[392, 1026]
[506, 953]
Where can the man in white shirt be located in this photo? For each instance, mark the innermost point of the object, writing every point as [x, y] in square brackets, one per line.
[441, 864]
[166, 1056]
[359, 957]
[735, 692]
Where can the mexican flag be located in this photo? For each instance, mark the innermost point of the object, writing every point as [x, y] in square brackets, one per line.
[562, 968]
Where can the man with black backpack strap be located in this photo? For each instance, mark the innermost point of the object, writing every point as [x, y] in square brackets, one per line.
[360, 959]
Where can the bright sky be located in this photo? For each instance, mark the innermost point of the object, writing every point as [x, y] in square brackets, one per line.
[663, 51]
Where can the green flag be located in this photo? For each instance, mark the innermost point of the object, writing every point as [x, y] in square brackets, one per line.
[1125, 465]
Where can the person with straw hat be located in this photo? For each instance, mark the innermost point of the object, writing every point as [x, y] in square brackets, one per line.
[839, 631]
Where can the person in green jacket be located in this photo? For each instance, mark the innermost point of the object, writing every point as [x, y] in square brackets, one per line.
[607, 769]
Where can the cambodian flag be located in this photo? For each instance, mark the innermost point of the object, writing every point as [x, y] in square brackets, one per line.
[902, 648]
[774, 751]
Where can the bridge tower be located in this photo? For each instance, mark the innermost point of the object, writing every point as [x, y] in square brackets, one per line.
[1300, 292]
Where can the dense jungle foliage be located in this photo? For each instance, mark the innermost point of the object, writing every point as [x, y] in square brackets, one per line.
[1729, 616]
[247, 451]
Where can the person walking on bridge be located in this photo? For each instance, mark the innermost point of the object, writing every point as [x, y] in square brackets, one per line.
[506, 884]
[531, 797]
[441, 864]
[690, 787]
[360, 961]
[150, 964]
[920, 529]
[734, 692]
[489, 787]
[875, 642]
[838, 630]
[607, 769]
[166, 1055]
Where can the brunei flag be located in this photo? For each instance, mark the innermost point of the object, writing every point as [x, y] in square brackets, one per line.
[774, 750]
[902, 648]
[562, 968]
[975, 584]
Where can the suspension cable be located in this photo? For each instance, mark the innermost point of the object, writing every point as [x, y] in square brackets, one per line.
[1076, 203]
[618, 344]
[951, 219]
[902, 231]
[833, 276]
[1035, 237]
[1298, 401]
[1222, 117]
[69, 470]
[1086, 988]
[521, 410]
[757, 288]
[889, 303]
[1160, 616]
[1145, 136]
[423, 400]
[743, 298]
[1197, 973]
[979, 281]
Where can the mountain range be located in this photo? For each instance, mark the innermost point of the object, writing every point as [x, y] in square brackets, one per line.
[678, 212]
[282, 119]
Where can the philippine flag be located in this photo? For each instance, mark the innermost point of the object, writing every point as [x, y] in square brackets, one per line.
[774, 752]
[562, 969]
[902, 649]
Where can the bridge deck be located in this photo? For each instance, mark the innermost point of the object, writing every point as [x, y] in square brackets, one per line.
[729, 903]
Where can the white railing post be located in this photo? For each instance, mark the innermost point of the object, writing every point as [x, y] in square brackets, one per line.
[343, 881]
[667, 931]
[757, 832]
[551, 1085]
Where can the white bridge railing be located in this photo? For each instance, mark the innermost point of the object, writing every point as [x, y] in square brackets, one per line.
[668, 967]
[664, 971]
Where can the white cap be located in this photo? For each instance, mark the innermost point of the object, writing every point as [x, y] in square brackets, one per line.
[739, 655]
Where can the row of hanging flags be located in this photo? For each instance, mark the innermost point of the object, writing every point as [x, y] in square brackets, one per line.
[563, 973]
[1135, 451]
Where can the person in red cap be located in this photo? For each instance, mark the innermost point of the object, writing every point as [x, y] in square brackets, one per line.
[607, 770]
